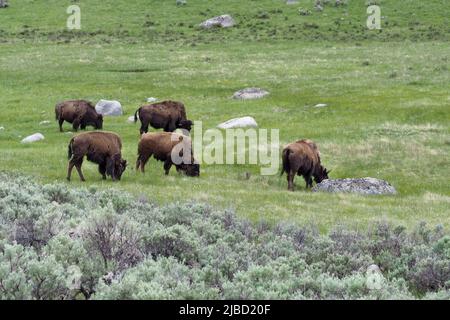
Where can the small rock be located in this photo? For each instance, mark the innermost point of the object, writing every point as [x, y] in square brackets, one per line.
[152, 99]
[2, 128]
[358, 185]
[130, 119]
[33, 138]
[109, 108]
[238, 123]
[181, 2]
[224, 21]
[250, 93]
[292, 2]
[45, 122]
[321, 105]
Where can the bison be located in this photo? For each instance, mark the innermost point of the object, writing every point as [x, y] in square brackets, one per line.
[303, 158]
[168, 115]
[103, 148]
[161, 145]
[80, 113]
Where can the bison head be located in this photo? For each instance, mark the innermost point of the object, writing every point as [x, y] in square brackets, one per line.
[185, 124]
[321, 174]
[99, 122]
[191, 170]
[121, 165]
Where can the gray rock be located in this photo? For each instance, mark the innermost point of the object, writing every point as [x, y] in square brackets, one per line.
[223, 21]
[321, 105]
[243, 122]
[358, 185]
[250, 93]
[43, 123]
[33, 138]
[292, 2]
[109, 108]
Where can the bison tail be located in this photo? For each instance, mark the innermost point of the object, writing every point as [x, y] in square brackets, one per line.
[69, 150]
[136, 115]
[285, 159]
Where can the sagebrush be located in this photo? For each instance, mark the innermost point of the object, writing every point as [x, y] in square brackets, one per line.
[61, 243]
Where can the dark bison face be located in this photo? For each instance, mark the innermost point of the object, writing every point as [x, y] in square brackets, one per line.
[322, 175]
[121, 165]
[191, 170]
[99, 122]
[185, 124]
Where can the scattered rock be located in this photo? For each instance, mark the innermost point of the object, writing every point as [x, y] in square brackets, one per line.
[358, 185]
[152, 99]
[223, 21]
[109, 108]
[243, 122]
[33, 138]
[130, 119]
[3, 4]
[321, 105]
[250, 93]
[43, 123]
[181, 2]
[292, 2]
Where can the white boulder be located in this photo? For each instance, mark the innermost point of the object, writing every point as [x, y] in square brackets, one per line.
[243, 122]
[109, 108]
[152, 99]
[250, 93]
[224, 21]
[33, 138]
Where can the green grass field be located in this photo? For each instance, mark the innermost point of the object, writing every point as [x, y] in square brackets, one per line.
[387, 94]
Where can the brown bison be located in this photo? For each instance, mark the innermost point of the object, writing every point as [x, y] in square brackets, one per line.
[168, 115]
[103, 148]
[303, 158]
[80, 113]
[161, 145]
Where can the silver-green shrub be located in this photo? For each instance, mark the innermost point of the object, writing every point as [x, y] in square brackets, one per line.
[62, 243]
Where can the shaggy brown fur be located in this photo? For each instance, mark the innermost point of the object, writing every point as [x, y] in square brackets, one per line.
[103, 148]
[168, 115]
[303, 158]
[80, 113]
[160, 146]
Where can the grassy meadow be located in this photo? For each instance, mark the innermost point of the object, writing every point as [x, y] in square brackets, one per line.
[387, 93]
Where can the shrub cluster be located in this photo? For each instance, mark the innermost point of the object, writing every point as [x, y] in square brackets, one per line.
[63, 243]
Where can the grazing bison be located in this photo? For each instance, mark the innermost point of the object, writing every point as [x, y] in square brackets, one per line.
[80, 113]
[160, 145]
[303, 158]
[168, 115]
[103, 148]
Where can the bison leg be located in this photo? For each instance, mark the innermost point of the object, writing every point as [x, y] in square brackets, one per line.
[69, 170]
[110, 168]
[60, 121]
[142, 161]
[76, 124]
[308, 180]
[102, 170]
[167, 166]
[290, 179]
[144, 127]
